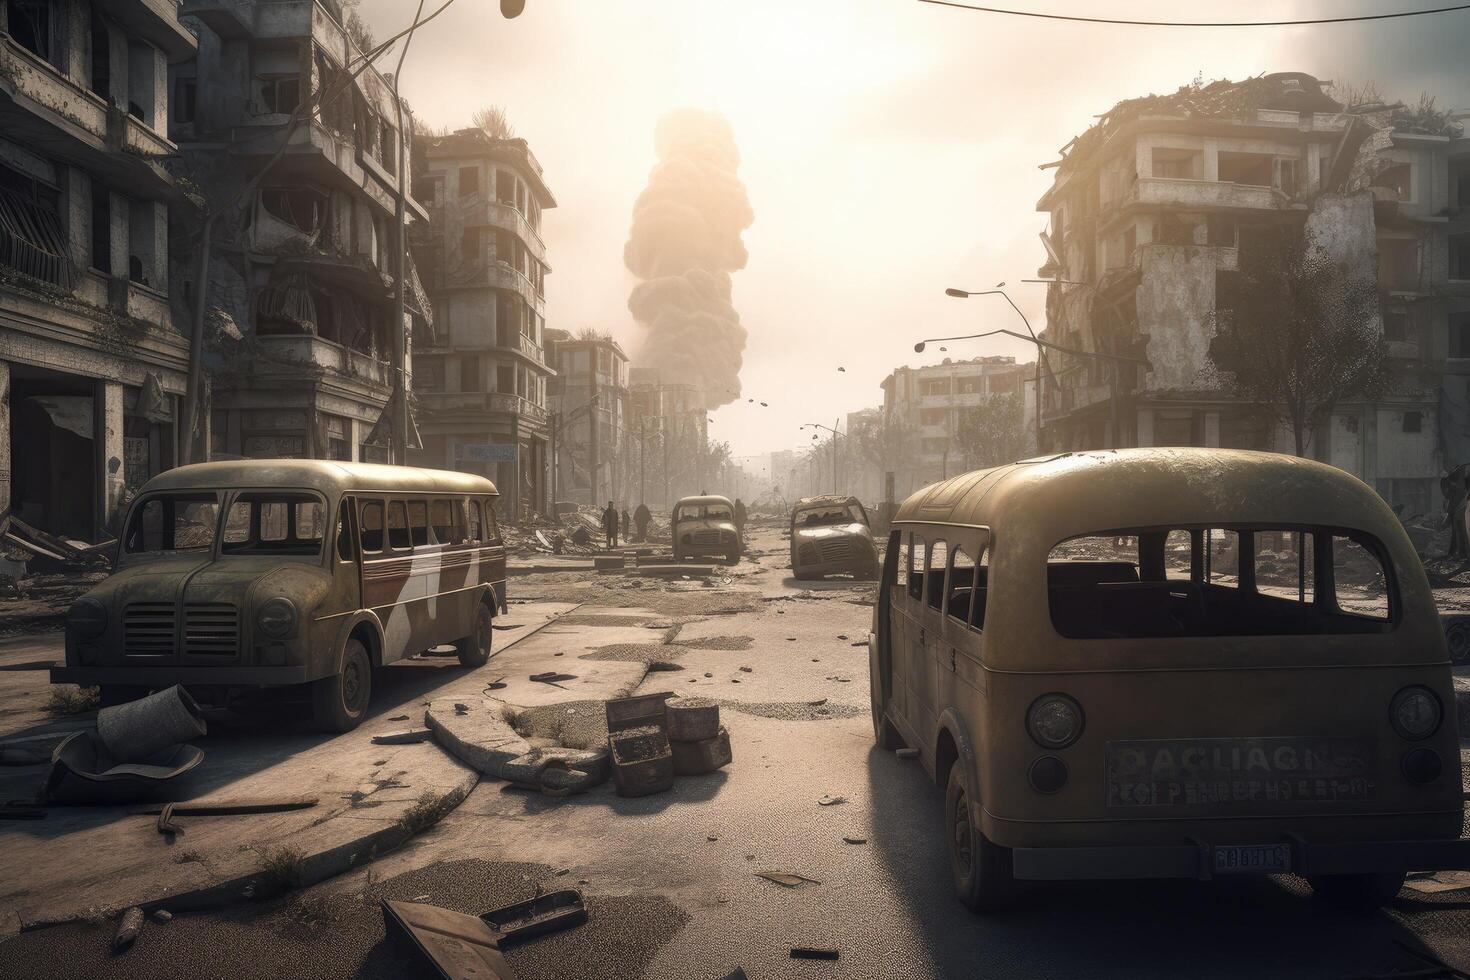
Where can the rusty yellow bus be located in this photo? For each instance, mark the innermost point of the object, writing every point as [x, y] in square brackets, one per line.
[1157, 663]
[235, 576]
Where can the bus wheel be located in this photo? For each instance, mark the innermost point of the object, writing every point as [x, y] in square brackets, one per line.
[474, 649]
[340, 702]
[981, 870]
[1366, 891]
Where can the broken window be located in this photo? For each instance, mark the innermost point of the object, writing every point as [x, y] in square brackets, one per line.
[937, 386]
[1286, 180]
[279, 93]
[934, 574]
[1413, 422]
[1460, 334]
[1395, 325]
[469, 245]
[274, 524]
[1200, 581]
[971, 385]
[186, 91]
[100, 77]
[1177, 164]
[1459, 257]
[142, 247]
[1254, 169]
[1398, 263]
[32, 239]
[30, 26]
[304, 208]
[504, 249]
[469, 181]
[101, 228]
[469, 373]
[1460, 184]
[505, 187]
[1397, 181]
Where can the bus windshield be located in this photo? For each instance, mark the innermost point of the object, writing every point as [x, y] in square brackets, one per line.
[173, 522]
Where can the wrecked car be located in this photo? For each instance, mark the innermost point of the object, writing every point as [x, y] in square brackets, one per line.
[704, 527]
[1170, 663]
[238, 576]
[830, 535]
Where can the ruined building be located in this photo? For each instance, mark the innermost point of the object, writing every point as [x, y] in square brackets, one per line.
[1154, 203]
[669, 424]
[91, 362]
[930, 402]
[302, 343]
[593, 465]
[481, 375]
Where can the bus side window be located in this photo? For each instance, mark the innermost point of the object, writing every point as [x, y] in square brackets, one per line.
[961, 586]
[938, 563]
[418, 522]
[899, 542]
[982, 587]
[915, 561]
[344, 532]
[459, 533]
[442, 521]
[398, 537]
[473, 508]
[492, 526]
[371, 532]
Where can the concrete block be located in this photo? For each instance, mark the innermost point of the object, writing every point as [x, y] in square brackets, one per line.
[693, 719]
[694, 758]
[609, 563]
[642, 762]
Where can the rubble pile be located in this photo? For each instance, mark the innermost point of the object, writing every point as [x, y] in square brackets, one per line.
[577, 533]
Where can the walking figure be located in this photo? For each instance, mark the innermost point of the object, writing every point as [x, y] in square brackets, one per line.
[610, 524]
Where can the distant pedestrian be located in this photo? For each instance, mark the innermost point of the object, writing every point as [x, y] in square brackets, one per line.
[610, 524]
[626, 524]
[641, 517]
[739, 515]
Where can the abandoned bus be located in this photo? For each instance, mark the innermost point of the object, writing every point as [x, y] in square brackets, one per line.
[261, 573]
[1170, 663]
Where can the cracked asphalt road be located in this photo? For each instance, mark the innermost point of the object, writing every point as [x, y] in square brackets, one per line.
[672, 880]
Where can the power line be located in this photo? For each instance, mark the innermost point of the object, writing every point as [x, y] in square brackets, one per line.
[1195, 23]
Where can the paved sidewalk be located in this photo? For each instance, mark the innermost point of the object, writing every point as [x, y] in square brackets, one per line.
[368, 795]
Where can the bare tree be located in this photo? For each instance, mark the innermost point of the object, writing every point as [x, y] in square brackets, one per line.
[993, 432]
[1297, 331]
[493, 120]
[887, 443]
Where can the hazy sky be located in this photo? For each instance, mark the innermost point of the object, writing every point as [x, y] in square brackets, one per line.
[890, 149]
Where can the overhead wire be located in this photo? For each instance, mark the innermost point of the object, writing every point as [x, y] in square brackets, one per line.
[1040, 15]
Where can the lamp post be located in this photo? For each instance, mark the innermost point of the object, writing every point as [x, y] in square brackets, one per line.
[832, 429]
[1040, 354]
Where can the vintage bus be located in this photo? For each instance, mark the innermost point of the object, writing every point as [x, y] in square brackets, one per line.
[1170, 663]
[235, 576]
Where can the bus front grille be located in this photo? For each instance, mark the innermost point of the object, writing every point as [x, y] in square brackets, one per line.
[211, 629]
[148, 629]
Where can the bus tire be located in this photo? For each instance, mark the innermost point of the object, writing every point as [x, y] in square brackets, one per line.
[474, 650]
[885, 732]
[1362, 892]
[981, 870]
[340, 702]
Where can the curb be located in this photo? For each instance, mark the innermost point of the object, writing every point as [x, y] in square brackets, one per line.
[492, 747]
[313, 868]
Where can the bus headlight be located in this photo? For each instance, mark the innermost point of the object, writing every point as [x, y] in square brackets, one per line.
[1415, 713]
[1054, 721]
[87, 616]
[276, 618]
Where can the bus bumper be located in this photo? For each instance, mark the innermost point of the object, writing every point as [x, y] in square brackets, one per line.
[1199, 860]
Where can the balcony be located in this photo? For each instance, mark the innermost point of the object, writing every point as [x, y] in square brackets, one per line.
[526, 347]
[1173, 192]
[497, 401]
[476, 403]
[44, 110]
[311, 351]
[154, 21]
[499, 275]
[497, 215]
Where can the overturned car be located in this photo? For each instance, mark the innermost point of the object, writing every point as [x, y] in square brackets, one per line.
[830, 535]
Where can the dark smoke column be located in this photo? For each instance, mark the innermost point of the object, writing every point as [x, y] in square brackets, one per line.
[684, 243]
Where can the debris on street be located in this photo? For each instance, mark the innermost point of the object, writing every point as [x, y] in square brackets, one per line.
[128, 929]
[787, 879]
[462, 946]
[812, 953]
[831, 800]
[407, 736]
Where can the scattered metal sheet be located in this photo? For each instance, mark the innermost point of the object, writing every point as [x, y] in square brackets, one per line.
[464, 947]
[812, 953]
[407, 736]
[788, 879]
[83, 772]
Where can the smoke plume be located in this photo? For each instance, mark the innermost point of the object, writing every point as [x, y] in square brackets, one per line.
[684, 243]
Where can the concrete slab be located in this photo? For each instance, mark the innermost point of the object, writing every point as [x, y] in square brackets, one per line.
[546, 565]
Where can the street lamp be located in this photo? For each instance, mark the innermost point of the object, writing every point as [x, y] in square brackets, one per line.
[832, 429]
[1040, 354]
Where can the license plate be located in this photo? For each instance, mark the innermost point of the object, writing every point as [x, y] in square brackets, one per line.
[1252, 858]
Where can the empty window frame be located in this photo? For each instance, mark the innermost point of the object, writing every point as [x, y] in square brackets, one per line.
[279, 93]
[469, 181]
[398, 537]
[370, 530]
[442, 520]
[418, 522]
[274, 524]
[934, 574]
[1138, 583]
[965, 601]
[914, 557]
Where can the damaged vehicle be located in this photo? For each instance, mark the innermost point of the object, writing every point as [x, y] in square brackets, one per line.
[830, 535]
[1170, 663]
[704, 527]
[233, 577]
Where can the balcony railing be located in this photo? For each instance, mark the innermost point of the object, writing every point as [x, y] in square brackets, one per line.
[497, 401]
[313, 351]
[1179, 192]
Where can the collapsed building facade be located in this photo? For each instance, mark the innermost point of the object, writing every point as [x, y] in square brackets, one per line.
[668, 436]
[304, 350]
[589, 403]
[482, 372]
[92, 363]
[1154, 204]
